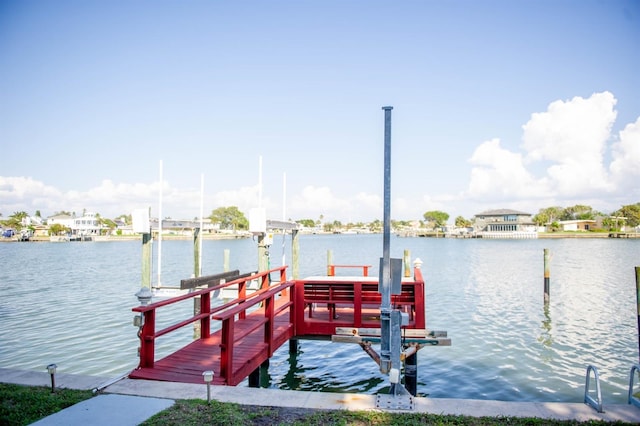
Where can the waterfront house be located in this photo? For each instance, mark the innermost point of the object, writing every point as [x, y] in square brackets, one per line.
[61, 219]
[87, 226]
[577, 225]
[505, 223]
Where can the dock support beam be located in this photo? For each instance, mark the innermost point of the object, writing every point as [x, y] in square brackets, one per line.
[260, 376]
[411, 373]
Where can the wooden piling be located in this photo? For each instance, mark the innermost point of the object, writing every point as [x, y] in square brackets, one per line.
[295, 254]
[260, 376]
[254, 378]
[411, 373]
[407, 263]
[225, 261]
[196, 274]
[546, 276]
[196, 252]
[147, 255]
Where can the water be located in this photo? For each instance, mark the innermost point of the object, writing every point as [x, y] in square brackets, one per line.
[70, 303]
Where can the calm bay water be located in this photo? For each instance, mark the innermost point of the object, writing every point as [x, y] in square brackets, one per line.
[70, 303]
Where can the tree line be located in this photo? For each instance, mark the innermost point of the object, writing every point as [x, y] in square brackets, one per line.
[231, 218]
[627, 215]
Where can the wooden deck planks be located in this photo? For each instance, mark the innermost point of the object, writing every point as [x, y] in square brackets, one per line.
[250, 351]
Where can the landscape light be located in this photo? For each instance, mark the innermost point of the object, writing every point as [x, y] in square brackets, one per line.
[208, 378]
[51, 368]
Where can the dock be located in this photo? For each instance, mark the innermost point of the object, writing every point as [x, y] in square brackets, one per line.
[238, 336]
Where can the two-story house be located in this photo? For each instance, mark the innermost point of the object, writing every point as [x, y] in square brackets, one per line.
[505, 223]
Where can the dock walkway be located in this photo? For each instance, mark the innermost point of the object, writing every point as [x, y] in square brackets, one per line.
[160, 395]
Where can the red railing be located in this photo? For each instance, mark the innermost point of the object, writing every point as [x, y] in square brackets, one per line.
[225, 313]
[229, 337]
[357, 296]
[332, 269]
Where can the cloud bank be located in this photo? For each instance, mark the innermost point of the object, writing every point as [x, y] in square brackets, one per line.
[563, 157]
[568, 155]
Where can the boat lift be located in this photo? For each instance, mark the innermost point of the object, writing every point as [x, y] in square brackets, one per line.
[391, 319]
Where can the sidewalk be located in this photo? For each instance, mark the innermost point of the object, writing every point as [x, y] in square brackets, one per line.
[130, 402]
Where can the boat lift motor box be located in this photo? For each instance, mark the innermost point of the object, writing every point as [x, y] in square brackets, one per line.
[140, 221]
[258, 221]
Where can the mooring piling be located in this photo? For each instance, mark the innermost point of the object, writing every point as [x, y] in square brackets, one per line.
[329, 262]
[225, 261]
[546, 276]
[407, 263]
[197, 239]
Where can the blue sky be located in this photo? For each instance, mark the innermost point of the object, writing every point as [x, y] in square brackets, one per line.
[497, 104]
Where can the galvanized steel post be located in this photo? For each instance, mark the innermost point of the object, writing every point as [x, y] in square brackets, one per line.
[385, 266]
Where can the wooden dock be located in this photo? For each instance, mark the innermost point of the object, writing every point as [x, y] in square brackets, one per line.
[254, 325]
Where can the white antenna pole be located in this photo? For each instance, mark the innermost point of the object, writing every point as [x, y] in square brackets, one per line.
[160, 230]
[284, 214]
[260, 182]
[284, 196]
[201, 223]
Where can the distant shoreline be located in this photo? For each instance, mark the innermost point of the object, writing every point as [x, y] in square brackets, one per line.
[111, 238]
[542, 235]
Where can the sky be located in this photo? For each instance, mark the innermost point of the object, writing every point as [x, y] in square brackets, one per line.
[108, 106]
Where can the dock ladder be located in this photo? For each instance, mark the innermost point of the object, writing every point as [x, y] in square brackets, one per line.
[596, 403]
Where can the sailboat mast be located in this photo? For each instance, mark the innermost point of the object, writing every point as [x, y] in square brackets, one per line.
[159, 283]
[201, 224]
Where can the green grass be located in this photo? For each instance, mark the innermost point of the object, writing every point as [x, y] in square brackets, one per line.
[198, 412]
[22, 405]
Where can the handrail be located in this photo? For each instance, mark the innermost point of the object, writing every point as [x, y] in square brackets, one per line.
[588, 399]
[227, 344]
[262, 296]
[264, 275]
[148, 333]
[365, 269]
[356, 300]
[633, 399]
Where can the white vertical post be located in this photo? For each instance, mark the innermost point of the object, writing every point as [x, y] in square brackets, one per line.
[284, 215]
[201, 222]
[159, 283]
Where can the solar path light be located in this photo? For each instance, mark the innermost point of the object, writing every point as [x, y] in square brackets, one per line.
[51, 368]
[208, 378]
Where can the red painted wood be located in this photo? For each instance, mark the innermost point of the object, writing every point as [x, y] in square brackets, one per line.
[250, 336]
[249, 351]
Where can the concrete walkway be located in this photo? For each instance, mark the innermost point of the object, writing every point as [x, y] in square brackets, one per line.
[130, 402]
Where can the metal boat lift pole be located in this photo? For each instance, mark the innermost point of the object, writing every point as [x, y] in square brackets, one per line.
[385, 262]
[390, 281]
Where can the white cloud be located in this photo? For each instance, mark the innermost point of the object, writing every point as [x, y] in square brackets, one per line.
[625, 167]
[562, 161]
[499, 174]
[244, 198]
[570, 141]
[573, 135]
[316, 201]
[27, 194]
[576, 129]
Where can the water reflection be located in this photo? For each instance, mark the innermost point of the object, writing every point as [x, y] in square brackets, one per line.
[546, 338]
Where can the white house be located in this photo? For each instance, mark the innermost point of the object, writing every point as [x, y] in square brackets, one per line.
[86, 225]
[577, 225]
[61, 219]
